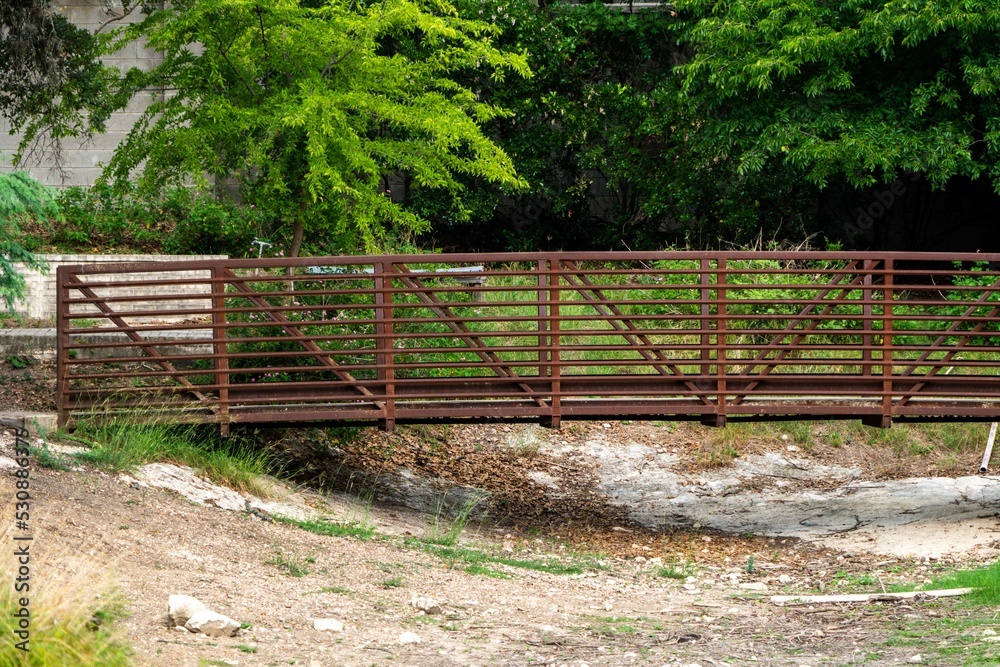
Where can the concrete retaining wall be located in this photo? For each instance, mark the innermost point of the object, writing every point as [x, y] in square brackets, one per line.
[80, 159]
[40, 301]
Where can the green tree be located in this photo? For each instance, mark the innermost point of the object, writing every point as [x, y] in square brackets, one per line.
[52, 83]
[858, 90]
[20, 195]
[311, 104]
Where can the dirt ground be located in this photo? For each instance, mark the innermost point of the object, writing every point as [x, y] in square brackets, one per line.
[618, 608]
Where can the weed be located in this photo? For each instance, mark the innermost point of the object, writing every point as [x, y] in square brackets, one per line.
[674, 571]
[477, 568]
[339, 590]
[290, 564]
[243, 648]
[46, 458]
[475, 557]
[446, 533]
[362, 531]
[392, 582]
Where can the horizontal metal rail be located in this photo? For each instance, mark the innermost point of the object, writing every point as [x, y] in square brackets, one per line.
[533, 337]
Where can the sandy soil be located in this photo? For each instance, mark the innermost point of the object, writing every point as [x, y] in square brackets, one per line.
[618, 611]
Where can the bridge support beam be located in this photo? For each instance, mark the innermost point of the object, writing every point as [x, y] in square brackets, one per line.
[877, 421]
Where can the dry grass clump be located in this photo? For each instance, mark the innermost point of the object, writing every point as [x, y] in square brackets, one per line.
[72, 606]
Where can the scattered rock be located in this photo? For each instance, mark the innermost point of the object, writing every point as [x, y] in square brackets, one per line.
[182, 607]
[426, 605]
[328, 625]
[754, 586]
[784, 579]
[409, 638]
[212, 624]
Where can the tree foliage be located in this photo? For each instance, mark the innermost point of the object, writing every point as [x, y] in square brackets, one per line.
[20, 194]
[612, 151]
[859, 89]
[310, 105]
[52, 84]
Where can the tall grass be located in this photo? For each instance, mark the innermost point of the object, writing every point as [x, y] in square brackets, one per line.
[73, 611]
[124, 444]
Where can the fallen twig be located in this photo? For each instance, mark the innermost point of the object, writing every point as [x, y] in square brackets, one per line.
[868, 597]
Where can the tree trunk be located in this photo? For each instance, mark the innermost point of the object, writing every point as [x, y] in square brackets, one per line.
[293, 250]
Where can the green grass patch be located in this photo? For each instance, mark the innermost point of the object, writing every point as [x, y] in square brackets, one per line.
[674, 571]
[393, 582]
[478, 558]
[290, 564]
[985, 581]
[46, 458]
[339, 590]
[479, 569]
[125, 444]
[360, 530]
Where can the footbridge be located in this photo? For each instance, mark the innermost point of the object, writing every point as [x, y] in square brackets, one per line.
[542, 337]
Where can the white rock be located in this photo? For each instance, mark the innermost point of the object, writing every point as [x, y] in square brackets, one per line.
[426, 605]
[915, 659]
[328, 625]
[409, 638]
[992, 638]
[791, 448]
[784, 579]
[212, 624]
[754, 586]
[989, 632]
[181, 628]
[182, 607]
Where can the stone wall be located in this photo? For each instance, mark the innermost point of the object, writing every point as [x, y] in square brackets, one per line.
[80, 159]
[40, 301]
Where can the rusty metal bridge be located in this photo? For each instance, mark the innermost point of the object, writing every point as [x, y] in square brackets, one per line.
[533, 337]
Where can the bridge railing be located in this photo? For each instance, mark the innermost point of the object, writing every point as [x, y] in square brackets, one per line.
[536, 337]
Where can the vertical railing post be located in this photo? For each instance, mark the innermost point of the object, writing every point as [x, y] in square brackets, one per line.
[720, 340]
[62, 345]
[866, 312]
[545, 370]
[704, 380]
[220, 348]
[555, 370]
[385, 358]
[888, 297]
[706, 294]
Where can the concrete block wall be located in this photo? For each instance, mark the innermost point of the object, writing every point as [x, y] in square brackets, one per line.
[80, 160]
[40, 301]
